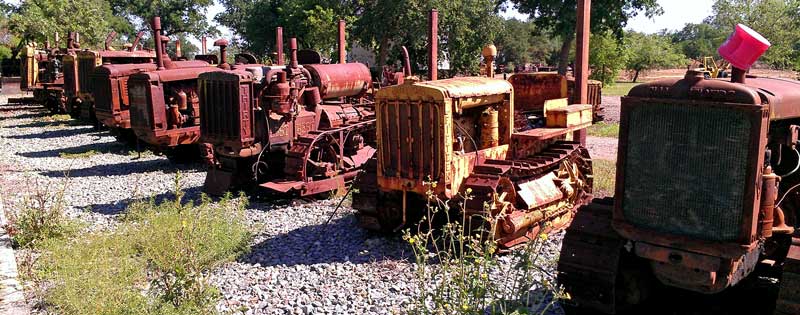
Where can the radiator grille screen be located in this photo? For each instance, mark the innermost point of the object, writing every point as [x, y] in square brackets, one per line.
[411, 145]
[686, 170]
[85, 68]
[103, 97]
[225, 110]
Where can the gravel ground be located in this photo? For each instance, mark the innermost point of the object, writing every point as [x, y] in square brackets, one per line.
[298, 265]
[611, 107]
[602, 148]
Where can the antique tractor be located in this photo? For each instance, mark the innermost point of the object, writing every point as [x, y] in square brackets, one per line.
[52, 83]
[79, 67]
[299, 129]
[110, 89]
[458, 137]
[705, 190]
[164, 104]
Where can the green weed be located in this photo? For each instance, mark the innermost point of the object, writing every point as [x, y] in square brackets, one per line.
[602, 129]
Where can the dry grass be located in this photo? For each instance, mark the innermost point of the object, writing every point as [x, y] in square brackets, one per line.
[605, 173]
[601, 129]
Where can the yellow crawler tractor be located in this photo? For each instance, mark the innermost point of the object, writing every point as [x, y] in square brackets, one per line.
[512, 147]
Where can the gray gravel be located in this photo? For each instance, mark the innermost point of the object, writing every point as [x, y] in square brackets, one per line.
[297, 264]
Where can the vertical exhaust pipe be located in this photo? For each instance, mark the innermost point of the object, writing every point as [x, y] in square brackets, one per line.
[157, 38]
[203, 45]
[56, 40]
[70, 40]
[77, 40]
[223, 53]
[109, 39]
[293, 48]
[279, 46]
[136, 41]
[178, 52]
[406, 63]
[342, 43]
[433, 45]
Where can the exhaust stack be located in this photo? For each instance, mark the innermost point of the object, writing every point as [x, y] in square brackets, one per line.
[203, 45]
[136, 41]
[433, 45]
[342, 43]
[109, 39]
[178, 52]
[279, 46]
[223, 53]
[159, 48]
[293, 48]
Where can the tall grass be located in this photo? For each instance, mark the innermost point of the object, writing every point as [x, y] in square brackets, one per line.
[458, 270]
[154, 262]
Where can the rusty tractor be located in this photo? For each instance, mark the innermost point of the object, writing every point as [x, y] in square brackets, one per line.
[51, 93]
[110, 89]
[78, 69]
[33, 63]
[457, 137]
[303, 129]
[705, 192]
[164, 104]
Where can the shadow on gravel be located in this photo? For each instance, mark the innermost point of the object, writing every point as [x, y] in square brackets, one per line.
[340, 241]
[100, 148]
[36, 112]
[55, 133]
[61, 123]
[128, 168]
[190, 194]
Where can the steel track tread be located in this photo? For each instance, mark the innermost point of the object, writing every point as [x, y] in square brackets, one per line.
[788, 302]
[530, 166]
[590, 257]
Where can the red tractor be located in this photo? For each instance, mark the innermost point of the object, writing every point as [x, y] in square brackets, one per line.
[110, 89]
[706, 190]
[303, 128]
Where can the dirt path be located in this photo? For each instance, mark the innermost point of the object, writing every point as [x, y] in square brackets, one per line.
[602, 148]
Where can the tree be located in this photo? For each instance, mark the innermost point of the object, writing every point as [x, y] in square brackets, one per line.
[699, 40]
[650, 51]
[177, 16]
[37, 20]
[776, 20]
[560, 17]
[381, 25]
[607, 57]
[465, 27]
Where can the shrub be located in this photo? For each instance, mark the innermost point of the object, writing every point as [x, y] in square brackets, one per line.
[458, 270]
[40, 217]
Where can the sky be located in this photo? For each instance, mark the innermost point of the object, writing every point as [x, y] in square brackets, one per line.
[676, 14]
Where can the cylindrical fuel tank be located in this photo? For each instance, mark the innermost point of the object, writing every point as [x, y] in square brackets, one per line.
[340, 80]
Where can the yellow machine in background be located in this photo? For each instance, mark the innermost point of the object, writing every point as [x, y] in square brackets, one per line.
[712, 69]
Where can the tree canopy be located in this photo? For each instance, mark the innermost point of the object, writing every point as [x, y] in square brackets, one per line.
[650, 51]
[560, 16]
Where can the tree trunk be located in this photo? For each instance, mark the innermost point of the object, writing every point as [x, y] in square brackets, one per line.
[383, 51]
[635, 76]
[563, 56]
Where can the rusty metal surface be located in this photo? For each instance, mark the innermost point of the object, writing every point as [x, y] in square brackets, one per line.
[590, 258]
[433, 45]
[697, 94]
[525, 192]
[531, 90]
[788, 302]
[340, 80]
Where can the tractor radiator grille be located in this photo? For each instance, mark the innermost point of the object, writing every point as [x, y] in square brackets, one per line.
[686, 170]
[103, 94]
[69, 79]
[85, 68]
[411, 140]
[225, 109]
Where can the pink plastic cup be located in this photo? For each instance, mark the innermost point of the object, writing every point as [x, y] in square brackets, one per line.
[743, 47]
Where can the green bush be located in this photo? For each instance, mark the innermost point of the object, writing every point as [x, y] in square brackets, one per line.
[40, 217]
[153, 263]
[458, 270]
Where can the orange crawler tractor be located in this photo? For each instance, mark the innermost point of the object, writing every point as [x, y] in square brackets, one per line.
[706, 191]
[457, 137]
